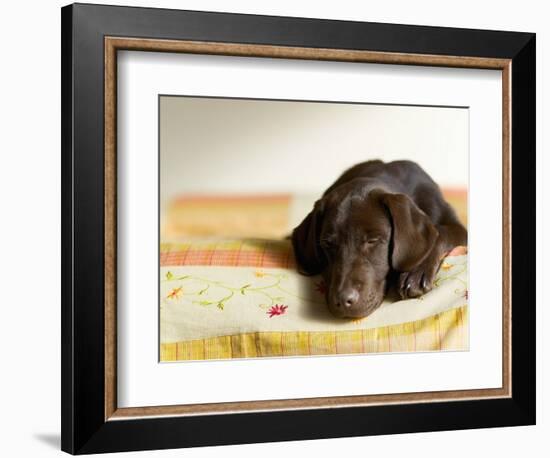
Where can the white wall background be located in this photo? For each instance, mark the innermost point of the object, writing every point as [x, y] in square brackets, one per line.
[213, 145]
[30, 227]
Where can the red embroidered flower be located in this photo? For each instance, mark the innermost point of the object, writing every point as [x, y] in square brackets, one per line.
[277, 310]
[175, 293]
[321, 287]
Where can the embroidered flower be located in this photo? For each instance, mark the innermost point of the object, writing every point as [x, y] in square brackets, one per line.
[260, 274]
[465, 295]
[321, 287]
[175, 293]
[277, 309]
[446, 266]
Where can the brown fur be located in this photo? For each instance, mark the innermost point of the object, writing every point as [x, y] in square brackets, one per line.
[379, 225]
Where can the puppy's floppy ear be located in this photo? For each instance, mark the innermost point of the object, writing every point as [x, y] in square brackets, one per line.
[413, 234]
[310, 258]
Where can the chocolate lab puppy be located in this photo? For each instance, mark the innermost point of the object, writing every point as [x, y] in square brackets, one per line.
[379, 225]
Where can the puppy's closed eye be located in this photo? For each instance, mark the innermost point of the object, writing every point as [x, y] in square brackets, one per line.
[370, 242]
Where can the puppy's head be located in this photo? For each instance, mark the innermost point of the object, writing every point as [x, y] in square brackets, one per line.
[355, 236]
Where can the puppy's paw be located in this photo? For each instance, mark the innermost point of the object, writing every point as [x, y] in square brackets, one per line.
[418, 282]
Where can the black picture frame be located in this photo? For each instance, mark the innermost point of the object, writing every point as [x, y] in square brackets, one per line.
[84, 427]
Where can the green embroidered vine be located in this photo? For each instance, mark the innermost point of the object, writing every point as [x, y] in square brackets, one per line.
[246, 289]
[269, 292]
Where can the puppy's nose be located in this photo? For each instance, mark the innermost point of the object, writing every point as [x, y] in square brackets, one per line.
[349, 297]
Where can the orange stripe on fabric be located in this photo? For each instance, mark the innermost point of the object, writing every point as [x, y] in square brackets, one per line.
[242, 253]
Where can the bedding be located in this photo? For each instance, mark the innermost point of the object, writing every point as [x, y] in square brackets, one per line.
[259, 216]
[263, 215]
[223, 296]
[243, 298]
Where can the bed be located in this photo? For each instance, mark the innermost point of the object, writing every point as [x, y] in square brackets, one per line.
[229, 289]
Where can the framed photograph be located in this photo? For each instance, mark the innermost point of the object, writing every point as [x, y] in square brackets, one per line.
[283, 228]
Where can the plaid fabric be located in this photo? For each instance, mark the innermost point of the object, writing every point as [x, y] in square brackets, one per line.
[236, 253]
[458, 199]
[446, 331]
[228, 216]
[249, 252]
[266, 216]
